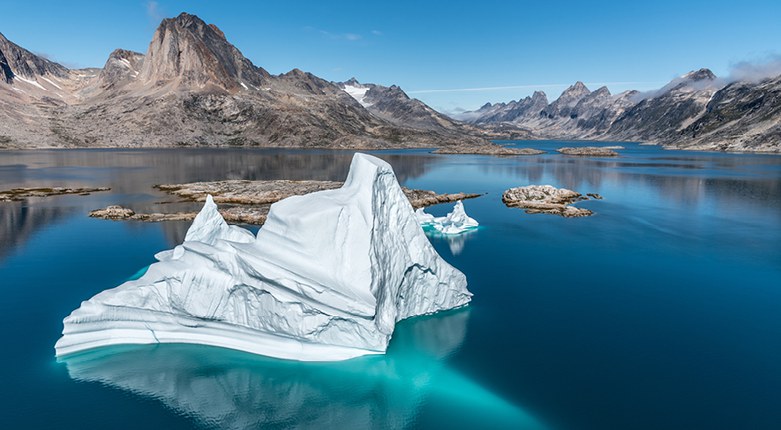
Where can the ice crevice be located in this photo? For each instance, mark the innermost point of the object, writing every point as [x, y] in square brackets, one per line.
[326, 278]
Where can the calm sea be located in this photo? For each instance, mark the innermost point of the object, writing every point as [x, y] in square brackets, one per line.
[661, 311]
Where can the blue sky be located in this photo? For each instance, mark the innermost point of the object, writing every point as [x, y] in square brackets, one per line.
[449, 54]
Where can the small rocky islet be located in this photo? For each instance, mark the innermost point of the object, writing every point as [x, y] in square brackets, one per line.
[494, 149]
[547, 199]
[590, 151]
[18, 194]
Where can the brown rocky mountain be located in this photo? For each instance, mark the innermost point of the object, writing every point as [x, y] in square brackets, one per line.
[192, 87]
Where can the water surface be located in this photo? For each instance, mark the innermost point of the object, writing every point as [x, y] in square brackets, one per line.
[660, 311]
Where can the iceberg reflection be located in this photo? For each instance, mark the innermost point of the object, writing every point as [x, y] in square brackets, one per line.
[455, 242]
[220, 388]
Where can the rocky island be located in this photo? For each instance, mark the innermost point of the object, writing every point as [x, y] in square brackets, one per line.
[547, 199]
[251, 199]
[487, 150]
[589, 151]
[17, 194]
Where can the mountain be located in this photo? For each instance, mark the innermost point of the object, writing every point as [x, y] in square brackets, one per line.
[529, 107]
[742, 116]
[193, 87]
[563, 106]
[187, 52]
[576, 113]
[694, 111]
[17, 62]
[392, 104]
[662, 116]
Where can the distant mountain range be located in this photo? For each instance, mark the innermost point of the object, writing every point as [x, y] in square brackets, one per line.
[694, 111]
[192, 87]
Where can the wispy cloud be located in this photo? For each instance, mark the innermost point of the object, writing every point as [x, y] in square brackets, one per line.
[154, 13]
[755, 71]
[349, 37]
[527, 87]
[352, 36]
[377, 32]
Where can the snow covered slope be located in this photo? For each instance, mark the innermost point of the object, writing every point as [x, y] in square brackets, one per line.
[326, 278]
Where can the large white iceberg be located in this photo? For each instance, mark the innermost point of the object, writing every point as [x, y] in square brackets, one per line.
[455, 222]
[327, 278]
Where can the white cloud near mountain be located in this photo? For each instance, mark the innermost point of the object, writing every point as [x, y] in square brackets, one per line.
[755, 71]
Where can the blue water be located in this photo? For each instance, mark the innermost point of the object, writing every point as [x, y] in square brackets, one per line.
[663, 310]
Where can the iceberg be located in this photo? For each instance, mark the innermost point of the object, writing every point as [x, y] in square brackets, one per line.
[326, 278]
[455, 222]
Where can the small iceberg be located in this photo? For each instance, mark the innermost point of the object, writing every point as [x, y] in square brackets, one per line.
[326, 278]
[455, 222]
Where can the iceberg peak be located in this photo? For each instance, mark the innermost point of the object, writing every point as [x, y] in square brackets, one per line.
[326, 278]
[209, 226]
[455, 222]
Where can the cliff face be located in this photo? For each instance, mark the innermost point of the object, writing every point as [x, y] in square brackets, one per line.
[17, 61]
[193, 87]
[191, 53]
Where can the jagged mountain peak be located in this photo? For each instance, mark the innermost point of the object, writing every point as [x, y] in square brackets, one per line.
[700, 75]
[601, 91]
[538, 96]
[577, 90]
[391, 92]
[191, 53]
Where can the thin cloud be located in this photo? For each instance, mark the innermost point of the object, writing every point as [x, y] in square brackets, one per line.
[377, 32]
[153, 12]
[525, 87]
[349, 37]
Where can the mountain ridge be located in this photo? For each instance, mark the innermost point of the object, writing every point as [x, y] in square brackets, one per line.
[694, 111]
[193, 87]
